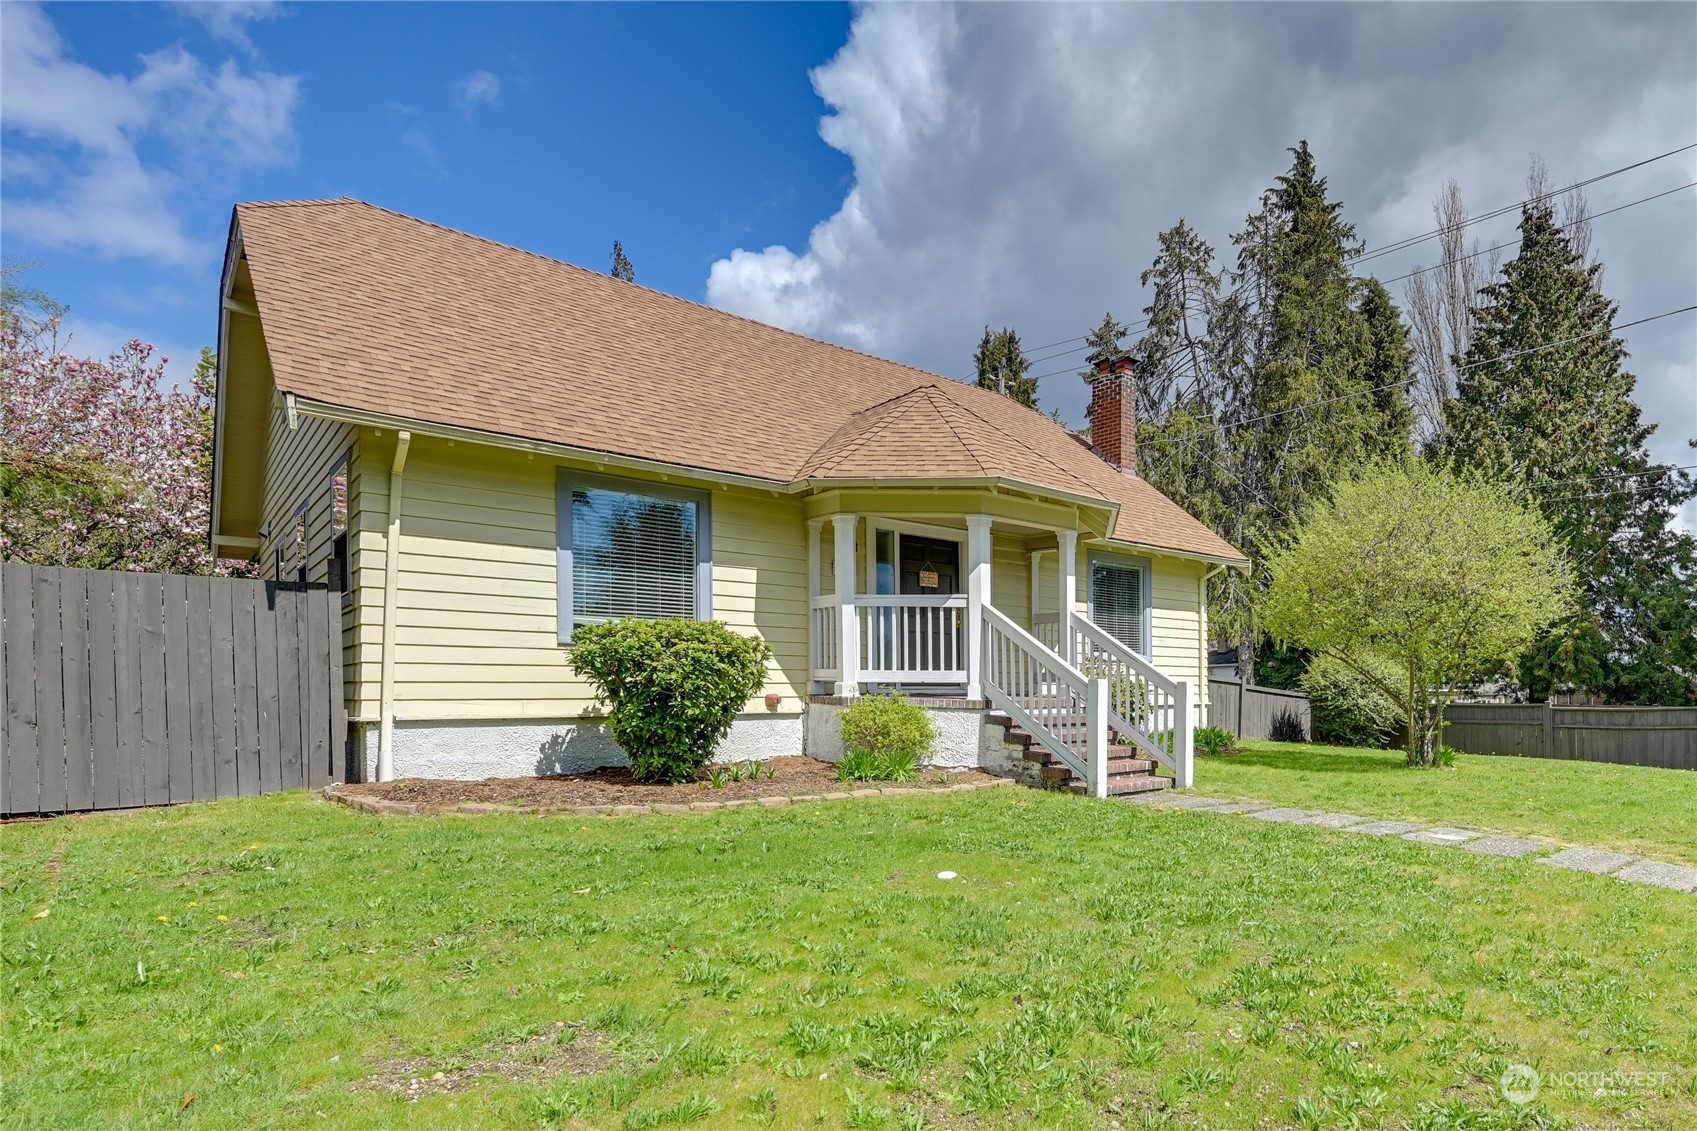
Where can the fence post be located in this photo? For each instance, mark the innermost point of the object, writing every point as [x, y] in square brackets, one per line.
[1096, 735]
[1184, 756]
[1549, 728]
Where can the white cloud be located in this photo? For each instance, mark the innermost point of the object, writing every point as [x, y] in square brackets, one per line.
[1013, 163]
[75, 138]
[479, 88]
[227, 20]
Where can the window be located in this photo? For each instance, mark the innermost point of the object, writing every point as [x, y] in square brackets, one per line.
[337, 566]
[1119, 599]
[630, 549]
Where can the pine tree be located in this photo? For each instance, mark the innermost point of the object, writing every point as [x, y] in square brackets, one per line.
[622, 268]
[1544, 401]
[1002, 366]
[1389, 374]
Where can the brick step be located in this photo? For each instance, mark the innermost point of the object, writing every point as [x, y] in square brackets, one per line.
[1117, 767]
[1117, 752]
[1130, 783]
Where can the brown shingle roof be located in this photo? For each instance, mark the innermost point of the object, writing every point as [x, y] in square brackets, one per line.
[375, 311]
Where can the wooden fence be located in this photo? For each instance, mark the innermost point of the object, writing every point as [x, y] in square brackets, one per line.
[1630, 736]
[1250, 714]
[129, 689]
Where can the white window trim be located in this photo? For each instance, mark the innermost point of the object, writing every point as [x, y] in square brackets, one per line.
[1146, 570]
[568, 479]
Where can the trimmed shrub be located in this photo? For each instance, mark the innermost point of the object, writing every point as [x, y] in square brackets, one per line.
[1211, 741]
[674, 686]
[882, 725]
[1348, 709]
[1287, 727]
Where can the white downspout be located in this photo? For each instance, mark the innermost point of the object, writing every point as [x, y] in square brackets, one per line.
[391, 577]
[1202, 701]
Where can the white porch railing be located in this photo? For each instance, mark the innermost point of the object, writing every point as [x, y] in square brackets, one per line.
[900, 638]
[1061, 708]
[1146, 706]
[1046, 627]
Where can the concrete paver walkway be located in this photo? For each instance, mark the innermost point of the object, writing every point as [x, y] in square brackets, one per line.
[1599, 861]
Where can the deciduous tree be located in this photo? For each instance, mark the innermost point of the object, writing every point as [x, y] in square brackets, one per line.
[1446, 578]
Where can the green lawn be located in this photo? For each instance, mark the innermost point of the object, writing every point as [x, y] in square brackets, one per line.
[1630, 808]
[1094, 964]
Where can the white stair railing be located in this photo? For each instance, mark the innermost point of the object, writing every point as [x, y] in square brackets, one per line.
[1145, 705]
[1062, 709]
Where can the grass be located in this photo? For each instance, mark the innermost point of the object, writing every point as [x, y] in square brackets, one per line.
[1633, 809]
[1094, 964]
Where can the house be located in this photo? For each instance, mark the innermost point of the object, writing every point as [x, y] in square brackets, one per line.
[485, 449]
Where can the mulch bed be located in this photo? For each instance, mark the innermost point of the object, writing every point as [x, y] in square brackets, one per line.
[794, 776]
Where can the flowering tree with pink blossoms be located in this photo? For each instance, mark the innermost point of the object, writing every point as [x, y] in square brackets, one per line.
[104, 463]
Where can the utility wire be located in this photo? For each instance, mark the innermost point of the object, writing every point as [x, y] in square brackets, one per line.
[1412, 241]
[1398, 384]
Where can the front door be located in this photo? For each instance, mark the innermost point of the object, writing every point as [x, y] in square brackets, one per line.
[929, 566]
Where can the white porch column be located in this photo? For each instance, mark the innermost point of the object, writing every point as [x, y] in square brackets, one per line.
[848, 631]
[977, 596]
[813, 527]
[1067, 592]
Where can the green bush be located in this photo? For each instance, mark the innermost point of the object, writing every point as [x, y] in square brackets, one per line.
[863, 765]
[882, 725]
[1212, 740]
[674, 686]
[1348, 709]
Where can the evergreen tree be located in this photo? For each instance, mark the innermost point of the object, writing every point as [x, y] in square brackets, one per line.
[1002, 366]
[1545, 402]
[1389, 374]
[622, 268]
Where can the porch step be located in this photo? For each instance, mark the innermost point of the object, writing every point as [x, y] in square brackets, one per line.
[1128, 770]
[1131, 783]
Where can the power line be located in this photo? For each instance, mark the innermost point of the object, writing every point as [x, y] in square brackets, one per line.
[1413, 241]
[1399, 384]
[1559, 228]
[1507, 208]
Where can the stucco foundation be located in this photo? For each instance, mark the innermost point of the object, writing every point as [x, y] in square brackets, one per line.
[471, 751]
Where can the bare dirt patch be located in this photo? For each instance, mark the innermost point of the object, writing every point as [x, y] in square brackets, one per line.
[557, 1051]
[789, 777]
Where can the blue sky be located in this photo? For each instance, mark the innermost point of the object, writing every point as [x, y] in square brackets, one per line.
[891, 177]
[682, 130]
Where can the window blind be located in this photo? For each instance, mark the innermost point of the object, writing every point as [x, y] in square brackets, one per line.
[1116, 602]
[632, 556]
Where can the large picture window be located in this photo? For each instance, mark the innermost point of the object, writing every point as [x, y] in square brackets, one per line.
[1119, 599]
[631, 549]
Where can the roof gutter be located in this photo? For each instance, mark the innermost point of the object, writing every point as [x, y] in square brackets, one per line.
[322, 410]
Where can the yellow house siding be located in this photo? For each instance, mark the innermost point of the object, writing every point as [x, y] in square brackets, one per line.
[298, 469]
[1010, 577]
[1177, 616]
[475, 621]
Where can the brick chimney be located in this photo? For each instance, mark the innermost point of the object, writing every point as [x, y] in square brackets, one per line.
[1113, 413]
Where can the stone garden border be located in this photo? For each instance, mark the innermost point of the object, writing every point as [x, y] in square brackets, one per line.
[385, 808]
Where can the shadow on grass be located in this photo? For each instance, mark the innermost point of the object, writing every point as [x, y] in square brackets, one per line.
[1321, 760]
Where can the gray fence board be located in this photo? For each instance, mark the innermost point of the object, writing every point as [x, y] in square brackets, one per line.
[203, 739]
[23, 786]
[125, 689]
[1664, 737]
[227, 769]
[49, 693]
[289, 711]
[103, 688]
[1250, 713]
[79, 707]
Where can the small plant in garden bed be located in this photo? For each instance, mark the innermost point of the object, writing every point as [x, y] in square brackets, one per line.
[1213, 741]
[863, 765]
[1287, 727]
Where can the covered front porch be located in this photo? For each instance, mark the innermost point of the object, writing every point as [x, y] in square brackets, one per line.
[976, 595]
